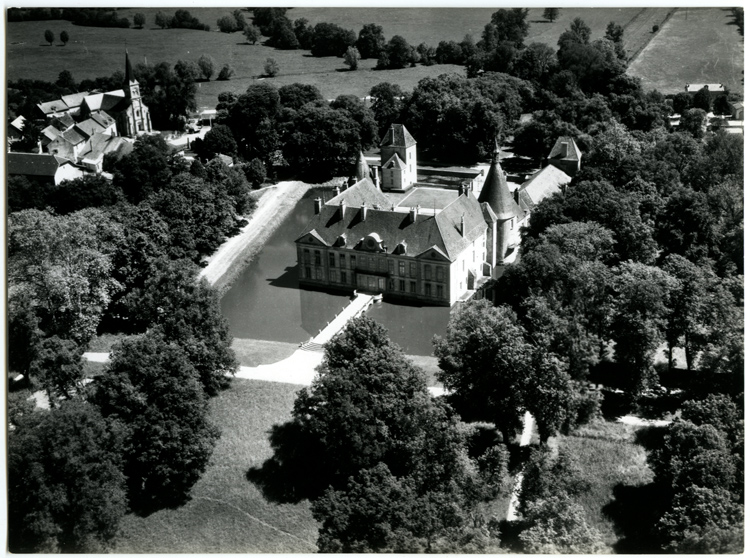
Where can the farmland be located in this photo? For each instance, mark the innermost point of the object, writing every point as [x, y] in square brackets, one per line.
[696, 45]
[94, 51]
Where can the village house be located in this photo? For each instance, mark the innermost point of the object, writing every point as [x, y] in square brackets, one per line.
[42, 167]
[416, 243]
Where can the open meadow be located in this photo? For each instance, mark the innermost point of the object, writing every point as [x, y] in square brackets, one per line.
[227, 513]
[696, 45]
[95, 51]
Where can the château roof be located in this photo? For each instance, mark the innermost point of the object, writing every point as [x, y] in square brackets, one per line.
[543, 184]
[417, 233]
[362, 192]
[495, 191]
[565, 148]
[361, 168]
[397, 136]
[394, 162]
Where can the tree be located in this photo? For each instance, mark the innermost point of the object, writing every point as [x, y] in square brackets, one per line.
[255, 172]
[681, 102]
[297, 95]
[162, 20]
[49, 36]
[206, 66]
[59, 369]
[66, 489]
[559, 526]
[693, 122]
[252, 118]
[239, 20]
[371, 41]
[187, 312]
[271, 67]
[547, 476]
[387, 104]
[639, 321]
[356, 109]
[64, 37]
[328, 39]
[483, 359]
[218, 140]
[144, 170]
[225, 73]
[64, 264]
[399, 53]
[226, 24]
[548, 394]
[702, 99]
[511, 25]
[139, 20]
[80, 193]
[322, 141]
[578, 33]
[154, 391]
[351, 58]
[252, 33]
[551, 14]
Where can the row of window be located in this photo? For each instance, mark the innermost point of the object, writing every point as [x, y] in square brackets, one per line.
[374, 283]
[380, 264]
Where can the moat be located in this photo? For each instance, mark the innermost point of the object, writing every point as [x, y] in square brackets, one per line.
[265, 302]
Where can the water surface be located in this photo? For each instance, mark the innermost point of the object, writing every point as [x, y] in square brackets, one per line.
[265, 302]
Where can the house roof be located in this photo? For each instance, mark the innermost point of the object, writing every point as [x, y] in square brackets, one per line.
[19, 123]
[74, 100]
[63, 122]
[104, 101]
[416, 233]
[495, 191]
[397, 136]
[51, 133]
[75, 136]
[90, 127]
[102, 118]
[395, 162]
[34, 164]
[52, 107]
[542, 184]
[565, 148]
[100, 144]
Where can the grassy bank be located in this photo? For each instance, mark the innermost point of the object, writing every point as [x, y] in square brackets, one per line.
[227, 513]
[609, 456]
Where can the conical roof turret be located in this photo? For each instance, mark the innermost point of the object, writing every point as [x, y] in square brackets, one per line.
[361, 170]
[495, 190]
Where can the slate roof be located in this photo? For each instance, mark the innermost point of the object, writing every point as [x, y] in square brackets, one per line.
[90, 127]
[542, 184]
[101, 144]
[395, 161]
[105, 101]
[19, 123]
[440, 232]
[361, 169]
[63, 122]
[397, 136]
[74, 136]
[103, 119]
[74, 100]
[34, 164]
[51, 133]
[363, 191]
[565, 148]
[496, 193]
[53, 106]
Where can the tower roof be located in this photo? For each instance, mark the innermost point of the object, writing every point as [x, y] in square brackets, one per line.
[397, 136]
[361, 169]
[129, 77]
[495, 190]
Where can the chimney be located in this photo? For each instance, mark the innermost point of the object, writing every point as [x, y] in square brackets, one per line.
[364, 211]
[460, 190]
[377, 177]
[337, 189]
[517, 195]
[342, 207]
[344, 185]
[318, 205]
[413, 212]
[463, 226]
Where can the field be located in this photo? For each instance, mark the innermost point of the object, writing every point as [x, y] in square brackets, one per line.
[696, 45]
[608, 456]
[227, 513]
[94, 52]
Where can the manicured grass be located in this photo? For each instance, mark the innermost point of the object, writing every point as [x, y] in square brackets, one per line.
[696, 45]
[608, 456]
[254, 352]
[429, 364]
[103, 343]
[227, 513]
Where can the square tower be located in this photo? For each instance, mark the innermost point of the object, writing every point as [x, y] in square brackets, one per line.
[398, 158]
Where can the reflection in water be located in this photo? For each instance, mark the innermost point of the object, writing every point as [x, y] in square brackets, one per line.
[265, 302]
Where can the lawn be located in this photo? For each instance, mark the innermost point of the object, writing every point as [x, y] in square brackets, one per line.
[227, 513]
[608, 456]
[696, 45]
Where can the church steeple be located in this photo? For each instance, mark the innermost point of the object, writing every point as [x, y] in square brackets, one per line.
[495, 190]
[130, 86]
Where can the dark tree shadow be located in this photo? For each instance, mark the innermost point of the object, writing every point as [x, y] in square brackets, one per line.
[634, 511]
[296, 470]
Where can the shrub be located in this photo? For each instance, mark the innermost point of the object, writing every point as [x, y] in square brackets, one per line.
[271, 67]
[225, 73]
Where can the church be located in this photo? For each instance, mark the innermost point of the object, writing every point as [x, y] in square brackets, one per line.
[408, 241]
[84, 126]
